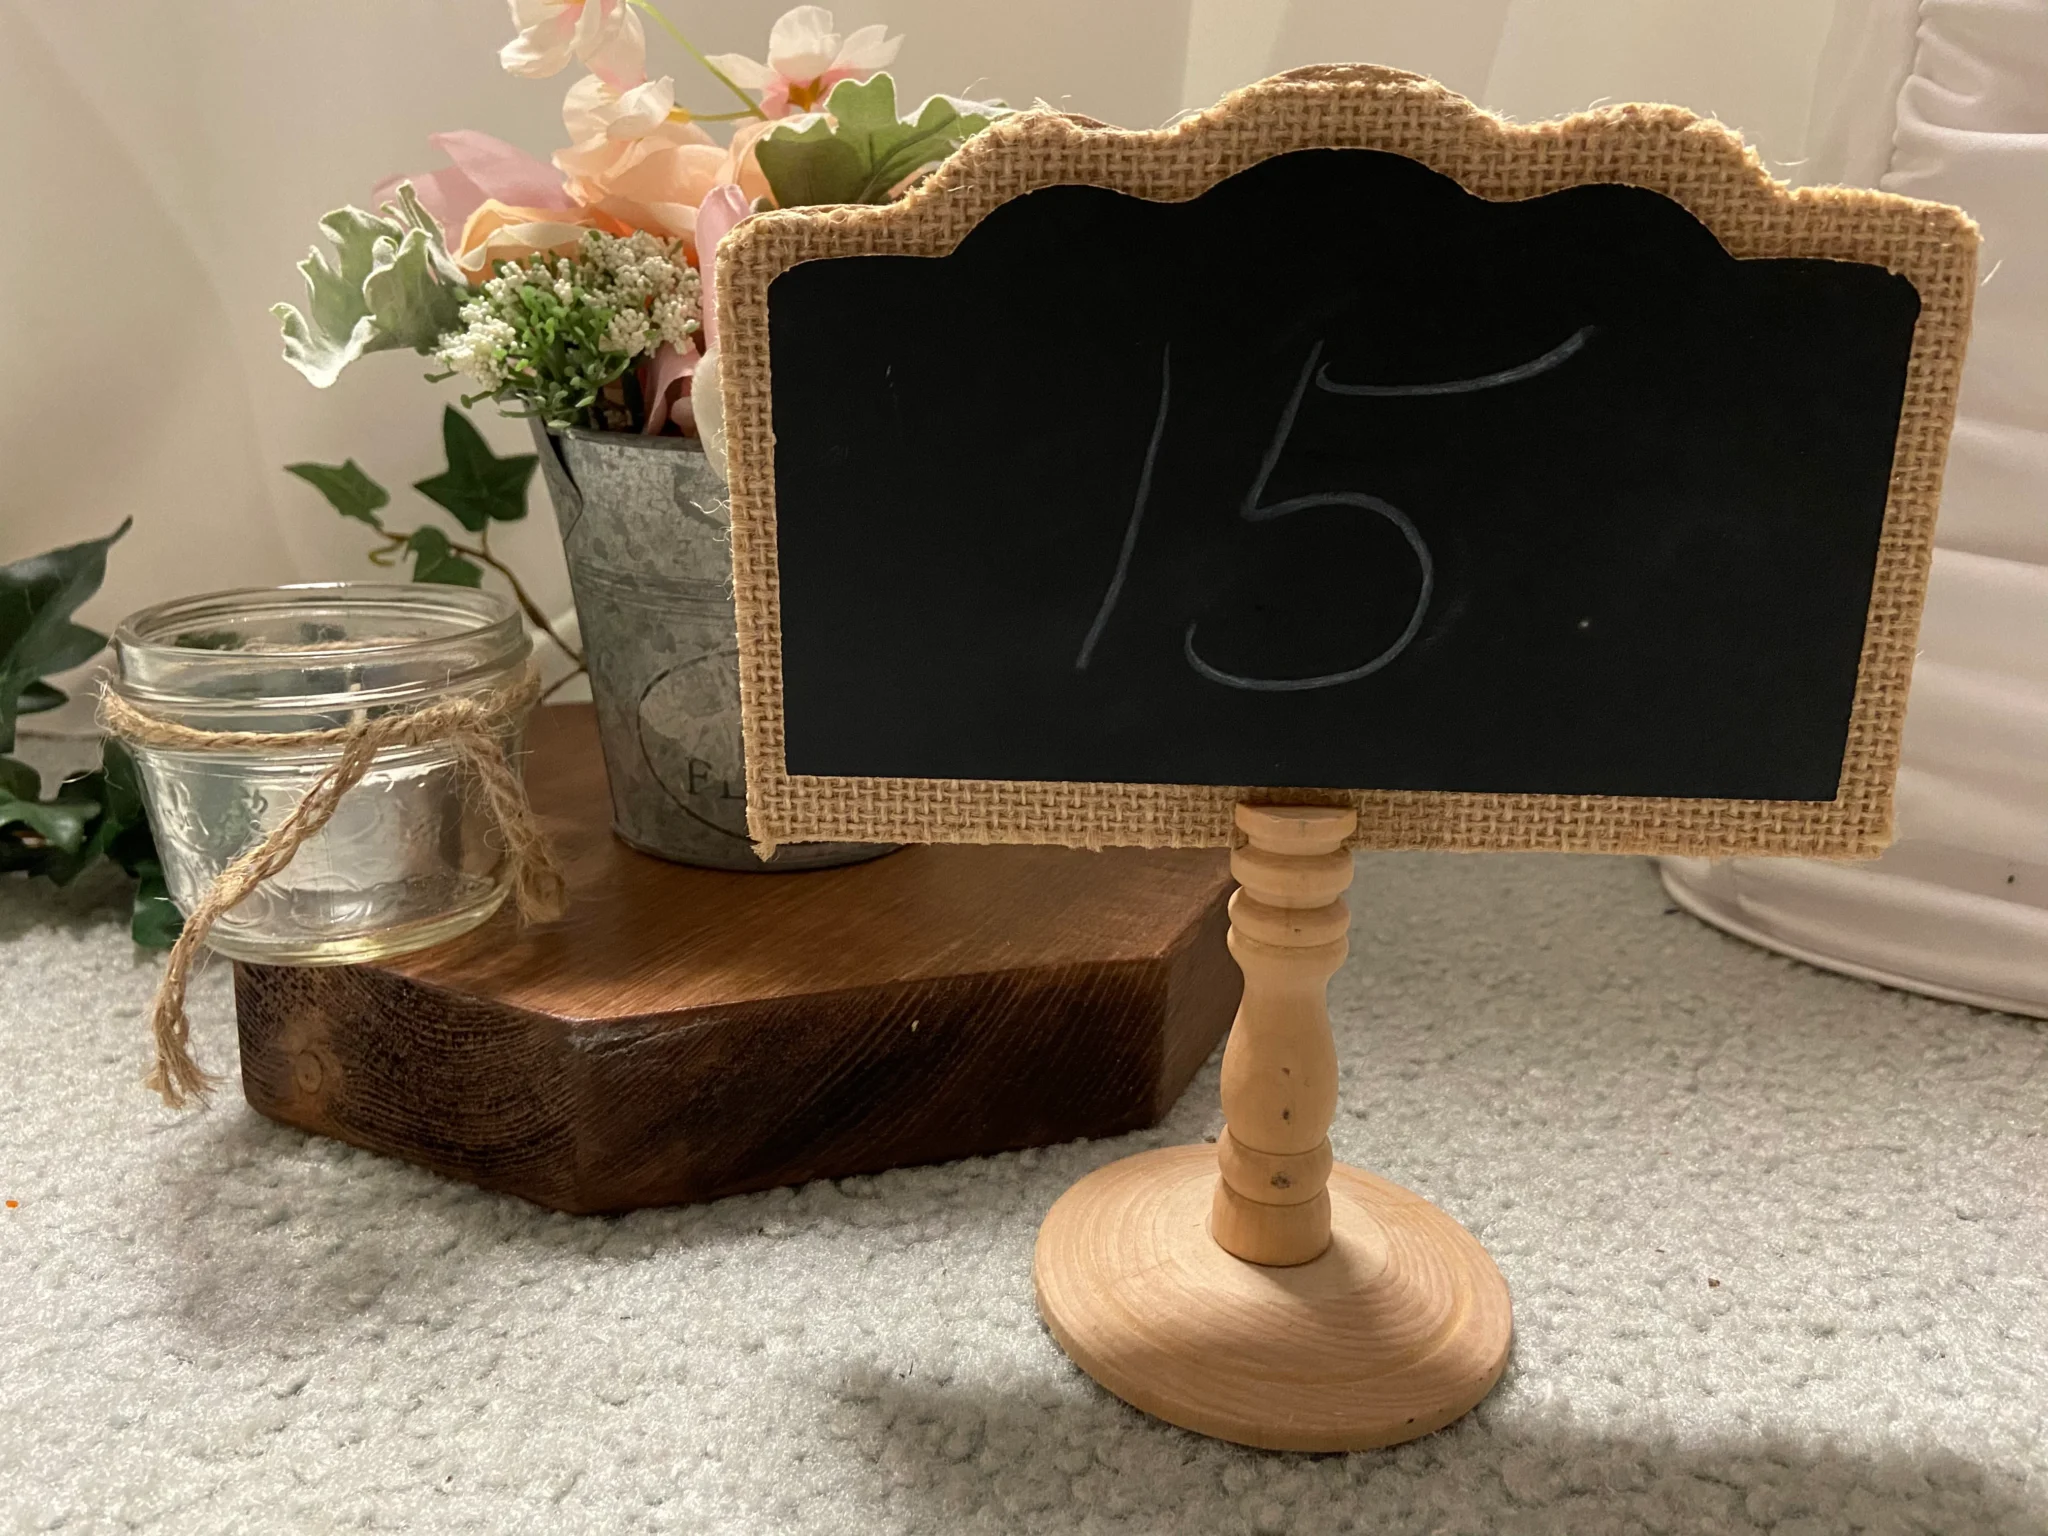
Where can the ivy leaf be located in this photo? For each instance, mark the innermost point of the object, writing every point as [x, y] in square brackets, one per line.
[477, 487]
[347, 489]
[863, 149]
[433, 560]
[37, 598]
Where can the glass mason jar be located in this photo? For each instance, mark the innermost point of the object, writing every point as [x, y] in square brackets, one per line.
[411, 857]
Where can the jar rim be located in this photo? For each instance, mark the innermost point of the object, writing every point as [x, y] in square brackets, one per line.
[153, 634]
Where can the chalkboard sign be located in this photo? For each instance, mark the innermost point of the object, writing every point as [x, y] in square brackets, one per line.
[1543, 514]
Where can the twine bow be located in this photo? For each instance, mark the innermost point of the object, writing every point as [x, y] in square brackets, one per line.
[470, 726]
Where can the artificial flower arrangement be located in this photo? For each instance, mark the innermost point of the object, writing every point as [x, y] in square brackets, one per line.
[577, 293]
[581, 292]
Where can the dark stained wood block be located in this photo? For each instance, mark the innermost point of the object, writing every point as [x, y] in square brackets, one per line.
[683, 1034]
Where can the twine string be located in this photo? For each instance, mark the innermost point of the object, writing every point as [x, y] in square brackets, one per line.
[470, 727]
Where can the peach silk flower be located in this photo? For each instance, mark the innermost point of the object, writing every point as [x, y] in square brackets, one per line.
[484, 169]
[670, 386]
[605, 35]
[806, 58]
[630, 159]
[722, 208]
[742, 169]
[497, 232]
[665, 381]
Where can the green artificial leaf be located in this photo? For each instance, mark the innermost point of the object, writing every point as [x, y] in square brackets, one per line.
[57, 829]
[477, 487]
[388, 283]
[810, 167]
[20, 785]
[408, 295]
[19, 780]
[414, 291]
[61, 824]
[939, 128]
[338, 327]
[863, 149]
[21, 855]
[39, 696]
[37, 598]
[120, 789]
[154, 921]
[123, 835]
[434, 561]
[410, 213]
[347, 489]
[127, 838]
[72, 645]
[120, 831]
[95, 815]
[85, 795]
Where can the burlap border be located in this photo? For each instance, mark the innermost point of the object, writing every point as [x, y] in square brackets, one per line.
[1698, 163]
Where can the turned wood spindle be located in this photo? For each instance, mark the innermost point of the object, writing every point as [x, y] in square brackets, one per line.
[1324, 1309]
[1288, 927]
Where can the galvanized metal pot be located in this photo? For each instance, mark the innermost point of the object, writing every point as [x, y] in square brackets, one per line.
[645, 528]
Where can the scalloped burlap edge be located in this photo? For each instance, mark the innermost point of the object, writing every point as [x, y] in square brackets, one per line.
[1699, 164]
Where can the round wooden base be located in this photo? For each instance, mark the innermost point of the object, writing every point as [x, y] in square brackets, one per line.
[1399, 1328]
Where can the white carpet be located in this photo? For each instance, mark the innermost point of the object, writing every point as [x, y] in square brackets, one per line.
[1776, 1239]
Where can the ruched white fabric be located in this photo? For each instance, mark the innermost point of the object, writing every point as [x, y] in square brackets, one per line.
[1959, 906]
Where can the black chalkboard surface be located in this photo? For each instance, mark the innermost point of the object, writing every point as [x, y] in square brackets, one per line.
[1334, 475]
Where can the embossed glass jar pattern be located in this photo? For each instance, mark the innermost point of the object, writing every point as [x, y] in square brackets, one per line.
[411, 857]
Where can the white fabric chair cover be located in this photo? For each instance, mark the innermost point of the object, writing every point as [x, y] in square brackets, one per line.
[1959, 906]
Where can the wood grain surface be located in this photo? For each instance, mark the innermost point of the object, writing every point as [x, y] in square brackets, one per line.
[682, 1034]
[1399, 1327]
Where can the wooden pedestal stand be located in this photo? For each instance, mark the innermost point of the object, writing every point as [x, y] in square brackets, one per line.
[1253, 1291]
